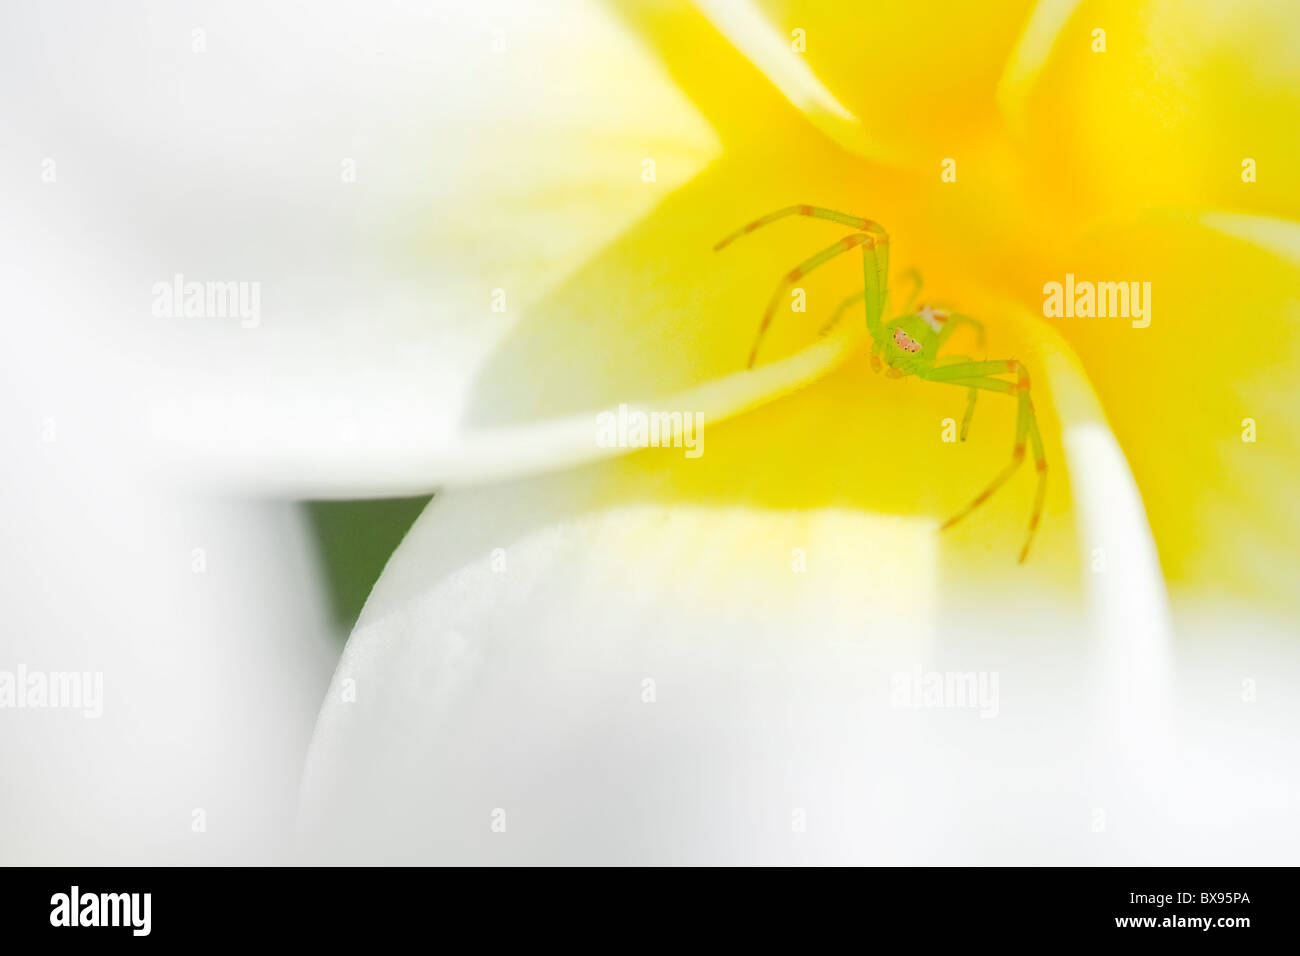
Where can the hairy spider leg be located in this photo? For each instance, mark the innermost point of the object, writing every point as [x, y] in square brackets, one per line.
[915, 293]
[817, 212]
[970, 399]
[1017, 454]
[974, 375]
[839, 311]
[952, 322]
[875, 264]
[845, 306]
[956, 320]
[808, 265]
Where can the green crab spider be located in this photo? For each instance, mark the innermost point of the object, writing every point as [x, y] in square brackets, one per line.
[909, 344]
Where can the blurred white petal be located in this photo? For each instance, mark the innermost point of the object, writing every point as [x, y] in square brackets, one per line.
[379, 171]
[204, 618]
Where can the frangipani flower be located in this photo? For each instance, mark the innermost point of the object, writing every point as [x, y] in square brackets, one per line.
[578, 655]
[662, 659]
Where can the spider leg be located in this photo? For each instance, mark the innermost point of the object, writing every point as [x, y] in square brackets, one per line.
[839, 311]
[955, 321]
[970, 399]
[799, 271]
[975, 375]
[970, 413]
[876, 364]
[915, 293]
[875, 263]
[948, 373]
[817, 212]
[1017, 454]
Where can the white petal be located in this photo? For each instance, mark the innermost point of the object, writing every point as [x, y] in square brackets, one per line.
[375, 176]
[584, 668]
[198, 626]
[398, 455]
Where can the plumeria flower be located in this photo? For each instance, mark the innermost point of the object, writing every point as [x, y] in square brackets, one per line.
[727, 659]
[480, 230]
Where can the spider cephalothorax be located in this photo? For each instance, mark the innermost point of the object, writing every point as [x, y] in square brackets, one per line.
[905, 341]
[910, 344]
